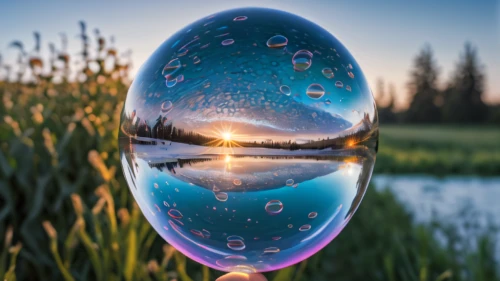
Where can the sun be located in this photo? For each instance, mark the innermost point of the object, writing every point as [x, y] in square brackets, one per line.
[226, 136]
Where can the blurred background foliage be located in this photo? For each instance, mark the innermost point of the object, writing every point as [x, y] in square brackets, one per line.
[66, 212]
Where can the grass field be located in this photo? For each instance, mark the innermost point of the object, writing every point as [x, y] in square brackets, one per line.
[67, 214]
[439, 150]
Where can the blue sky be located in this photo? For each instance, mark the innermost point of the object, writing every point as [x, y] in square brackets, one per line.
[383, 36]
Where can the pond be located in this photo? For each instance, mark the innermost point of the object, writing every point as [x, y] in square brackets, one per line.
[452, 199]
[428, 196]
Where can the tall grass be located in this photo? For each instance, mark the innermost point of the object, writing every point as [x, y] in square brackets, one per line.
[66, 213]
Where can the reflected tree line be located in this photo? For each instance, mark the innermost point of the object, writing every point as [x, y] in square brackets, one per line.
[163, 130]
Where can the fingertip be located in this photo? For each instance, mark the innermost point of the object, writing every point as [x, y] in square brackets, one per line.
[238, 276]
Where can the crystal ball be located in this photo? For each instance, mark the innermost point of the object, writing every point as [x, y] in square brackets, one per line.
[248, 139]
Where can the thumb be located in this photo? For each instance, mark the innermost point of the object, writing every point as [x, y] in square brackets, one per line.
[237, 276]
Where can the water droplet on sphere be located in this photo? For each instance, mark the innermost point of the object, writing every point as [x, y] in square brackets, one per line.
[274, 207]
[235, 243]
[302, 60]
[227, 42]
[166, 106]
[237, 182]
[271, 250]
[197, 233]
[315, 91]
[240, 18]
[289, 182]
[170, 68]
[171, 83]
[339, 84]
[277, 41]
[221, 196]
[312, 215]
[305, 227]
[285, 90]
[327, 72]
[175, 214]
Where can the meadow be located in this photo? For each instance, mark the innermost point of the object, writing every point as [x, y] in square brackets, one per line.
[66, 212]
[439, 150]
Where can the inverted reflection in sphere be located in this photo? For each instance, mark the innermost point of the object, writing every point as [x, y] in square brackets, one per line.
[248, 139]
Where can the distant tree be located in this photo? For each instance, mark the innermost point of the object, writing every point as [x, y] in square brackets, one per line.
[380, 92]
[423, 89]
[385, 109]
[462, 101]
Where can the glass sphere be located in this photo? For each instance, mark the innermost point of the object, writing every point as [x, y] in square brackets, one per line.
[248, 139]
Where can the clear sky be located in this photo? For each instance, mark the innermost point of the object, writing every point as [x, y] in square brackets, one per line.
[383, 36]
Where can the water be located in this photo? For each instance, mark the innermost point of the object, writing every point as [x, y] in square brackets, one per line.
[453, 199]
[296, 222]
[239, 147]
[428, 197]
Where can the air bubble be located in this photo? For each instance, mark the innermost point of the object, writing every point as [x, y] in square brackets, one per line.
[237, 182]
[289, 182]
[312, 215]
[339, 84]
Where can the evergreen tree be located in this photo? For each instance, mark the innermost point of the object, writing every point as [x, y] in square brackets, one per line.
[380, 92]
[385, 108]
[423, 89]
[462, 98]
